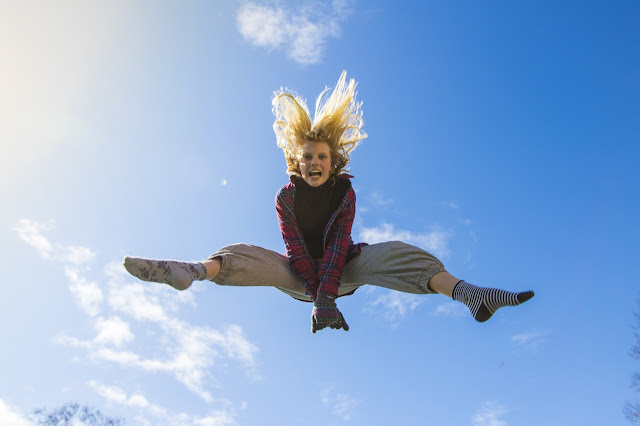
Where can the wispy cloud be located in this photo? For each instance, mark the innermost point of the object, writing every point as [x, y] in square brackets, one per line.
[88, 295]
[112, 331]
[490, 415]
[379, 200]
[31, 232]
[117, 395]
[394, 305]
[530, 340]
[375, 201]
[341, 404]
[450, 204]
[302, 32]
[451, 309]
[188, 352]
[436, 242]
[11, 416]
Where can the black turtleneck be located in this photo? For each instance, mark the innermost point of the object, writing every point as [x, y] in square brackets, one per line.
[314, 207]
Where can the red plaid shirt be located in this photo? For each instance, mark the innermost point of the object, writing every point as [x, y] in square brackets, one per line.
[338, 245]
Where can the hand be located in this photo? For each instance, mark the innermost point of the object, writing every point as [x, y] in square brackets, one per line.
[326, 314]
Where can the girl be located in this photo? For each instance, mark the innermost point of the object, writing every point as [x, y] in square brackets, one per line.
[315, 212]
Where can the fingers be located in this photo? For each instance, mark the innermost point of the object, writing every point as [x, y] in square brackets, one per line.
[319, 324]
[343, 324]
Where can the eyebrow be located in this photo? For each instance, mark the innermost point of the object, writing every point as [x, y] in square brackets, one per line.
[319, 153]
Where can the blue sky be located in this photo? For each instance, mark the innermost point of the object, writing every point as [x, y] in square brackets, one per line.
[502, 137]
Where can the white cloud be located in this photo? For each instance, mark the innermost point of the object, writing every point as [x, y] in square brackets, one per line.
[113, 331]
[435, 242]
[87, 294]
[137, 301]
[302, 33]
[193, 349]
[530, 340]
[217, 418]
[341, 404]
[451, 309]
[395, 304]
[186, 351]
[238, 347]
[117, 395]
[76, 254]
[190, 353]
[31, 233]
[379, 200]
[489, 415]
[450, 204]
[10, 416]
[262, 25]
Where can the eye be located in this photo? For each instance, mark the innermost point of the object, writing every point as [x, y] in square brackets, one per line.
[306, 156]
[323, 157]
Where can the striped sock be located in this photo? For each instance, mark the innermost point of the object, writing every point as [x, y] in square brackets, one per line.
[178, 275]
[484, 302]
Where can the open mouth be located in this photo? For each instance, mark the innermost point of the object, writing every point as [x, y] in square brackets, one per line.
[315, 173]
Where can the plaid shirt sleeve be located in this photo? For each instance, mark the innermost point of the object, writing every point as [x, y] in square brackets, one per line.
[337, 243]
[299, 258]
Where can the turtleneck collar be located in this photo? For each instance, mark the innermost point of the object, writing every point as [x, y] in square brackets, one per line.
[300, 183]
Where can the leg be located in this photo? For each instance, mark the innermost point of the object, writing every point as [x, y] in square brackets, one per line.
[179, 275]
[482, 302]
[247, 265]
[443, 283]
[252, 266]
[402, 267]
[213, 267]
[394, 265]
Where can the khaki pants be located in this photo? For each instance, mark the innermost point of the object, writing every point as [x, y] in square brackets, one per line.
[394, 265]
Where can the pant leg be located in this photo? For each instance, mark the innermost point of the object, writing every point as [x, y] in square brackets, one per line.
[394, 265]
[249, 265]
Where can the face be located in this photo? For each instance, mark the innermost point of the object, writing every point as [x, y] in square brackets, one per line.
[315, 163]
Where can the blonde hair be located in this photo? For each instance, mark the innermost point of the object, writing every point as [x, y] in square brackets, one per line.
[337, 121]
